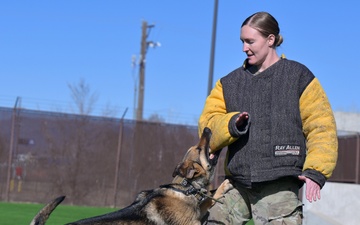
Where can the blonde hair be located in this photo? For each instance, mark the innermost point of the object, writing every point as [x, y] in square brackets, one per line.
[266, 24]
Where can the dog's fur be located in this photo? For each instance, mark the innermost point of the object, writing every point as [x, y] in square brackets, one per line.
[183, 202]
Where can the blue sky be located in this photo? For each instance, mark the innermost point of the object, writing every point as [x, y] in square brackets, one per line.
[47, 45]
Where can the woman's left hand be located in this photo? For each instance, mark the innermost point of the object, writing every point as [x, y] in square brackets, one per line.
[312, 190]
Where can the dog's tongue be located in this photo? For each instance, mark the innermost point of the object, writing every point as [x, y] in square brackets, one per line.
[213, 157]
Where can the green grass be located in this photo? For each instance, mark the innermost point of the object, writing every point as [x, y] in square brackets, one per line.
[22, 213]
[251, 222]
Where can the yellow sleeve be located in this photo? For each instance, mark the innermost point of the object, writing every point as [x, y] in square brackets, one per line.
[319, 128]
[215, 117]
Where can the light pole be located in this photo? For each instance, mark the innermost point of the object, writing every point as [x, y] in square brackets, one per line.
[212, 54]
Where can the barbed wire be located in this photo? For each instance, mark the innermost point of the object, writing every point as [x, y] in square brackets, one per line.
[104, 110]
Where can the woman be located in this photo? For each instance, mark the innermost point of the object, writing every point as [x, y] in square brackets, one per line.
[276, 120]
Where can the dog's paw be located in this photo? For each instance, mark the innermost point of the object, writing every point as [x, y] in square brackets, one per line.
[226, 186]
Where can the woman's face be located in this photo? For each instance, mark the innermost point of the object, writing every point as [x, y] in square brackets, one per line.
[255, 45]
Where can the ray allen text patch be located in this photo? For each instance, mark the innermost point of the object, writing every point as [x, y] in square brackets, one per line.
[287, 149]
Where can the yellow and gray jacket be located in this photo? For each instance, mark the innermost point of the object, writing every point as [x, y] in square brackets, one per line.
[291, 129]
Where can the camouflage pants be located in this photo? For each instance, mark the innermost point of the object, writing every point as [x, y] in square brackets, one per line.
[275, 202]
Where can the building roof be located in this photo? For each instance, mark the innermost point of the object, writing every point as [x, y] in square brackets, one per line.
[347, 122]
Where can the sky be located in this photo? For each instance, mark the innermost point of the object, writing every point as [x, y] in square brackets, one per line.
[47, 46]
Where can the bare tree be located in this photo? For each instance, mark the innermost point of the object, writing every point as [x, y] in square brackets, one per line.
[76, 143]
[83, 98]
[156, 118]
[109, 111]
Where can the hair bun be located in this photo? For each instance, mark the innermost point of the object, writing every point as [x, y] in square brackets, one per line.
[279, 40]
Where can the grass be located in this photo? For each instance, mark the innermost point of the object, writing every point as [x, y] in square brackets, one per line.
[22, 213]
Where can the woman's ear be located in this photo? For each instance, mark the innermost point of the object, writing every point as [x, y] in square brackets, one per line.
[271, 40]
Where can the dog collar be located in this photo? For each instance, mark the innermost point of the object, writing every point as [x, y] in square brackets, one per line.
[198, 194]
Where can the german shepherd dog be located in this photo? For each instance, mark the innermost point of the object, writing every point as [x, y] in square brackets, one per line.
[183, 202]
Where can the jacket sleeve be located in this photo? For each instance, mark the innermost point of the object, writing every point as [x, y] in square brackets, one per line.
[216, 117]
[319, 128]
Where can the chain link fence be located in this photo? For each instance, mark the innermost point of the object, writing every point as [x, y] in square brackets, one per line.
[94, 161]
[99, 161]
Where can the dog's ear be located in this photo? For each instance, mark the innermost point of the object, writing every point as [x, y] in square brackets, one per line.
[176, 170]
[184, 169]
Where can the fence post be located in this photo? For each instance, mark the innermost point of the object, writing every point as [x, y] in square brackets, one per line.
[118, 157]
[11, 150]
[357, 167]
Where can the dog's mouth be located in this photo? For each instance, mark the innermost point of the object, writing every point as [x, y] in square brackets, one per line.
[205, 144]
[200, 159]
[213, 159]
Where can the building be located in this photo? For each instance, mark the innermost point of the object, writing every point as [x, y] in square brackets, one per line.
[340, 197]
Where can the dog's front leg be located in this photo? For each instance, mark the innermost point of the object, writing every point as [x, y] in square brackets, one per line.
[224, 187]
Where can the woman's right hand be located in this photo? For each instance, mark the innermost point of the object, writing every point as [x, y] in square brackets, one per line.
[242, 119]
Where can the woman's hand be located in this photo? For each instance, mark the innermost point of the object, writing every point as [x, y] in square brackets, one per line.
[312, 189]
[241, 120]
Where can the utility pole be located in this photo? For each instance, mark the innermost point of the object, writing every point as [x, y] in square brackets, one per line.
[144, 46]
[133, 65]
[140, 108]
[212, 54]
[211, 69]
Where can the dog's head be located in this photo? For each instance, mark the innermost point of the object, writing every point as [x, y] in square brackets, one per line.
[196, 165]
